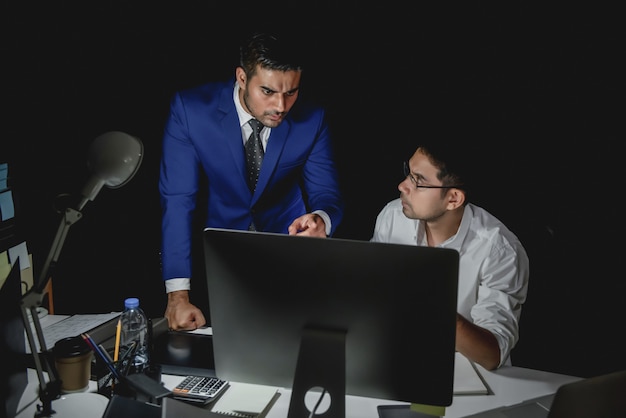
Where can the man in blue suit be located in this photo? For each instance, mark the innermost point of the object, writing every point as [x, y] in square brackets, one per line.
[204, 138]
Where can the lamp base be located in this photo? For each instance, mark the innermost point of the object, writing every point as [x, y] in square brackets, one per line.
[80, 405]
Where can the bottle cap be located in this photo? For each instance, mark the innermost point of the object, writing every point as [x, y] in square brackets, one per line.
[131, 303]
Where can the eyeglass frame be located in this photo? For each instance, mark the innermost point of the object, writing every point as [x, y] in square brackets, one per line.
[407, 173]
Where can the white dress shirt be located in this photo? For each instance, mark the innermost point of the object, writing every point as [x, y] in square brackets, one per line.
[493, 267]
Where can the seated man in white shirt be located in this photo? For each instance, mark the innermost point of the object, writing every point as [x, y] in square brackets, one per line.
[433, 210]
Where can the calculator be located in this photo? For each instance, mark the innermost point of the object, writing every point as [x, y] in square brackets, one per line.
[199, 389]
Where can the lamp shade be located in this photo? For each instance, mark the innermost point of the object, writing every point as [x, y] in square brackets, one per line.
[114, 158]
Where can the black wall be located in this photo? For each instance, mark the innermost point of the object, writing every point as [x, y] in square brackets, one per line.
[540, 85]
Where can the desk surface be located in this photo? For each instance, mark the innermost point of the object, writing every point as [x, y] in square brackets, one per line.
[509, 385]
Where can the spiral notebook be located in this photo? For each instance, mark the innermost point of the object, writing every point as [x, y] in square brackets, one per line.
[246, 400]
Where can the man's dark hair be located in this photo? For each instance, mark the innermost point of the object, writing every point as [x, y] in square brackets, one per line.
[270, 51]
[459, 163]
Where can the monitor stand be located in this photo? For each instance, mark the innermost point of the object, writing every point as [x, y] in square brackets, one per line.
[321, 364]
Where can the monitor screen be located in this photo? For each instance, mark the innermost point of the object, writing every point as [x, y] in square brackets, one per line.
[358, 317]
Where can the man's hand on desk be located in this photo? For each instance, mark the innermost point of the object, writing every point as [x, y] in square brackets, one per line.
[181, 314]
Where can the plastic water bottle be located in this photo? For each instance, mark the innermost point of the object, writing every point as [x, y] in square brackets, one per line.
[135, 329]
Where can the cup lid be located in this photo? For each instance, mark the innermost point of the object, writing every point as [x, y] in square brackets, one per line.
[70, 347]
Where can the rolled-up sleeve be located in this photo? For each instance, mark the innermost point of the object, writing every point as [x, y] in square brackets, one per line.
[502, 291]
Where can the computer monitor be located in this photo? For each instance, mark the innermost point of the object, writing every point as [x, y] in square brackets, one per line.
[352, 317]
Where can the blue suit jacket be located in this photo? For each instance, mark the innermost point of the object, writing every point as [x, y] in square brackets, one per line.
[202, 135]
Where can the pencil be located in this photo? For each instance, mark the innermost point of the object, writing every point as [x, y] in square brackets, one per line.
[118, 333]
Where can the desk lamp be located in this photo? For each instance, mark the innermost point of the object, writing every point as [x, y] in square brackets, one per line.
[114, 158]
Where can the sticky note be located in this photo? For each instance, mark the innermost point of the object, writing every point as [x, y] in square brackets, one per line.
[5, 267]
[434, 410]
[7, 209]
[20, 251]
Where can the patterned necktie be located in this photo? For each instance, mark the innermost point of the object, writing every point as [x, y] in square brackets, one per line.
[254, 153]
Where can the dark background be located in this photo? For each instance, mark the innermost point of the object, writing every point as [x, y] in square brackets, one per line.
[538, 89]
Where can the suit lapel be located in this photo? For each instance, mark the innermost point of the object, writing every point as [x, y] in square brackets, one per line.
[232, 130]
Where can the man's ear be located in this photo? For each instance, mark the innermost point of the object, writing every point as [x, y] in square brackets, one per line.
[456, 198]
[240, 76]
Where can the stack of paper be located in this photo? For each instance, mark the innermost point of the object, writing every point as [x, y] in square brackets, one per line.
[70, 326]
[467, 380]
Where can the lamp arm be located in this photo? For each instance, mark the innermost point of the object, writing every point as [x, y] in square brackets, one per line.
[47, 391]
[70, 218]
[29, 304]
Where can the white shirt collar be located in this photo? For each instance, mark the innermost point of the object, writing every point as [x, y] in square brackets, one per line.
[245, 117]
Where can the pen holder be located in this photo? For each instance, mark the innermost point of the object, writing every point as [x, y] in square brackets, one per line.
[108, 384]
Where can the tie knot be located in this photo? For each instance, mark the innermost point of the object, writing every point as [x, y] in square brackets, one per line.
[256, 126]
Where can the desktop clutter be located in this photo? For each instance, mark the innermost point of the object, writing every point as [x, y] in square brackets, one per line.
[128, 384]
[126, 375]
[128, 372]
[79, 378]
[131, 352]
[123, 371]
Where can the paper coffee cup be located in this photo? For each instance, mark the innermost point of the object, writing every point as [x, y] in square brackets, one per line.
[72, 358]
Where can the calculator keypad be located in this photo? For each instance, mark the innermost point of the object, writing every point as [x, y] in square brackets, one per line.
[199, 387]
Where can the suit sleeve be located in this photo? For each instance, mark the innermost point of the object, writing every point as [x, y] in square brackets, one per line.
[178, 186]
[321, 180]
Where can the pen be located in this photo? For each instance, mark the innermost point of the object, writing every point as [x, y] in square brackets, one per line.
[108, 379]
[127, 359]
[128, 351]
[120, 366]
[118, 332]
[96, 349]
[105, 352]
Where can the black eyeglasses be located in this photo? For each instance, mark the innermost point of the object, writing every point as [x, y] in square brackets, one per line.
[407, 173]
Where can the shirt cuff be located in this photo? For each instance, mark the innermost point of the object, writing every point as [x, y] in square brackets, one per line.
[172, 285]
[326, 219]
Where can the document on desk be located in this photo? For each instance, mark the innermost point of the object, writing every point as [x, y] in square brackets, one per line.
[201, 331]
[70, 327]
[467, 380]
